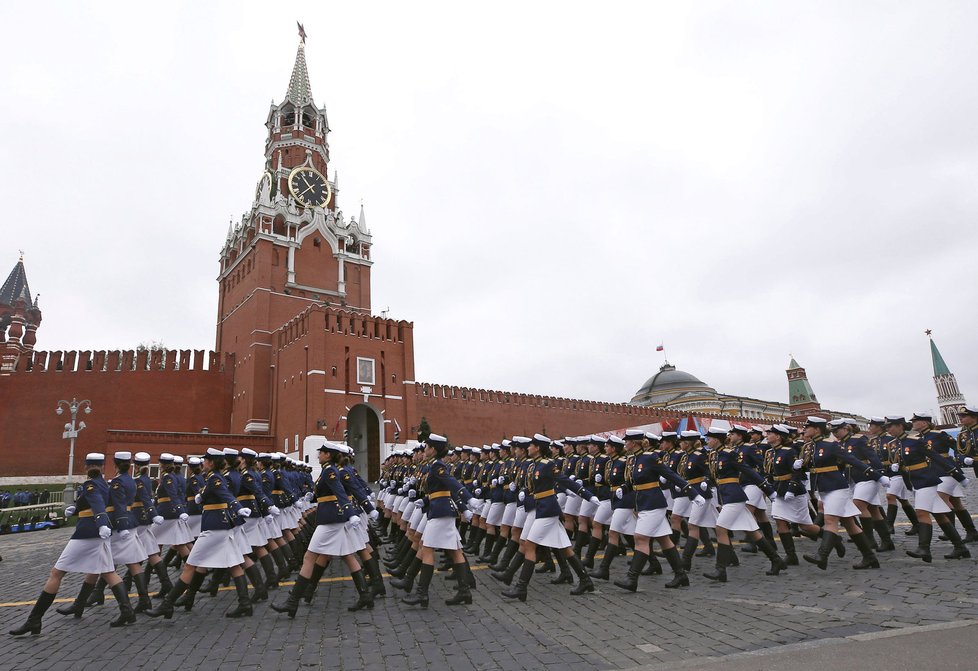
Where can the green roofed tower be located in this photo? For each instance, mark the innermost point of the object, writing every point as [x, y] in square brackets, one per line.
[801, 398]
[949, 397]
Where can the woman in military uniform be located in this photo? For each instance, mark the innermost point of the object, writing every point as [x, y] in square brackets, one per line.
[790, 498]
[596, 483]
[88, 551]
[335, 535]
[727, 467]
[149, 519]
[170, 504]
[925, 466]
[546, 530]
[215, 548]
[702, 519]
[641, 491]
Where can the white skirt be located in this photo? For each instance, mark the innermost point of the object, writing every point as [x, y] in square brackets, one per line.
[868, 491]
[705, 516]
[928, 499]
[792, 510]
[422, 525]
[274, 528]
[572, 504]
[839, 503]
[682, 506]
[950, 486]
[548, 532]
[215, 549]
[736, 517]
[415, 518]
[148, 540]
[519, 521]
[173, 532]
[623, 521]
[476, 506]
[509, 515]
[603, 514]
[755, 497]
[335, 540]
[241, 540]
[256, 532]
[127, 549]
[398, 505]
[193, 523]
[897, 487]
[86, 555]
[527, 525]
[653, 523]
[561, 499]
[440, 534]
[587, 509]
[668, 494]
[495, 515]
[484, 511]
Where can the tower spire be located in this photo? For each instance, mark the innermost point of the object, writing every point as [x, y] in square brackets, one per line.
[300, 92]
[949, 397]
[801, 396]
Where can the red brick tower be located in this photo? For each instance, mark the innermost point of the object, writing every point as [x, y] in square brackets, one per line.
[295, 276]
[19, 318]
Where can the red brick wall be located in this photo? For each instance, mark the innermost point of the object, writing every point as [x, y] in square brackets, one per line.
[186, 400]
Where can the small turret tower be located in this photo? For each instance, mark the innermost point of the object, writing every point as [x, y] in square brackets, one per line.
[949, 397]
[20, 316]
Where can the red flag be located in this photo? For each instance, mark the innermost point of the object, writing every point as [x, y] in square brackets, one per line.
[337, 427]
[660, 348]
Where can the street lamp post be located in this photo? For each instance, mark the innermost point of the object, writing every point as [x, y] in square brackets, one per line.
[71, 432]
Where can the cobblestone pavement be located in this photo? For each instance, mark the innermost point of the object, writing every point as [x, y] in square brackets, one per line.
[610, 629]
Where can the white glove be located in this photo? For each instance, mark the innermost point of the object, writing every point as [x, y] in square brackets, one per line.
[184, 516]
[475, 482]
[245, 512]
[373, 515]
[798, 463]
[467, 515]
[788, 496]
[580, 483]
[502, 480]
[965, 482]
[412, 494]
[619, 493]
[70, 510]
[383, 483]
[885, 480]
[104, 532]
[158, 520]
[704, 486]
[478, 492]
[895, 468]
[595, 500]
[968, 461]
[354, 521]
[520, 497]
[495, 481]
[274, 511]
[124, 533]
[198, 498]
[699, 500]
[308, 496]
[597, 477]
[268, 519]
[512, 486]
[662, 480]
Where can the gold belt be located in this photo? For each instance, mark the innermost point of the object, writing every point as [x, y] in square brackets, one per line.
[215, 506]
[243, 498]
[782, 478]
[438, 495]
[86, 513]
[543, 495]
[163, 500]
[278, 491]
[696, 481]
[325, 499]
[137, 504]
[917, 467]
[728, 481]
[646, 485]
[826, 469]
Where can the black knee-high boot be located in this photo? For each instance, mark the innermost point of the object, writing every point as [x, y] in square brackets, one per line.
[271, 574]
[788, 543]
[372, 567]
[291, 605]
[97, 598]
[126, 614]
[244, 608]
[767, 530]
[592, 548]
[869, 559]
[77, 607]
[165, 585]
[407, 582]
[365, 598]
[584, 584]
[883, 530]
[679, 576]
[867, 524]
[707, 550]
[420, 597]
[463, 593]
[166, 606]
[546, 558]
[719, 574]
[602, 572]
[33, 624]
[254, 575]
[512, 547]
[278, 554]
[518, 591]
[821, 558]
[771, 552]
[960, 549]
[142, 589]
[635, 566]
[688, 551]
[312, 584]
[911, 515]
[564, 576]
[581, 541]
[922, 551]
[968, 524]
[506, 576]
[891, 513]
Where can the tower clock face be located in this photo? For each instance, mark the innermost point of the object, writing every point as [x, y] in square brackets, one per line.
[309, 187]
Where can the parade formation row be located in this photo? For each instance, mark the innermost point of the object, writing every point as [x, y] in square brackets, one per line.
[522, 502]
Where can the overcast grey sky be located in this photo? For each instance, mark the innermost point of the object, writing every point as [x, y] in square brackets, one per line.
[553, 188]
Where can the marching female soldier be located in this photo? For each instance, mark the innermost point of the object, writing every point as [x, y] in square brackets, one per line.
[171, 506]
[148, 519]
[88, 551]
[215, 548]
[335, 534]
[641, 489]
[702, 519]
[790, 498]
[541, 484]
[622, 522]
[866, 491]
[727, 467]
